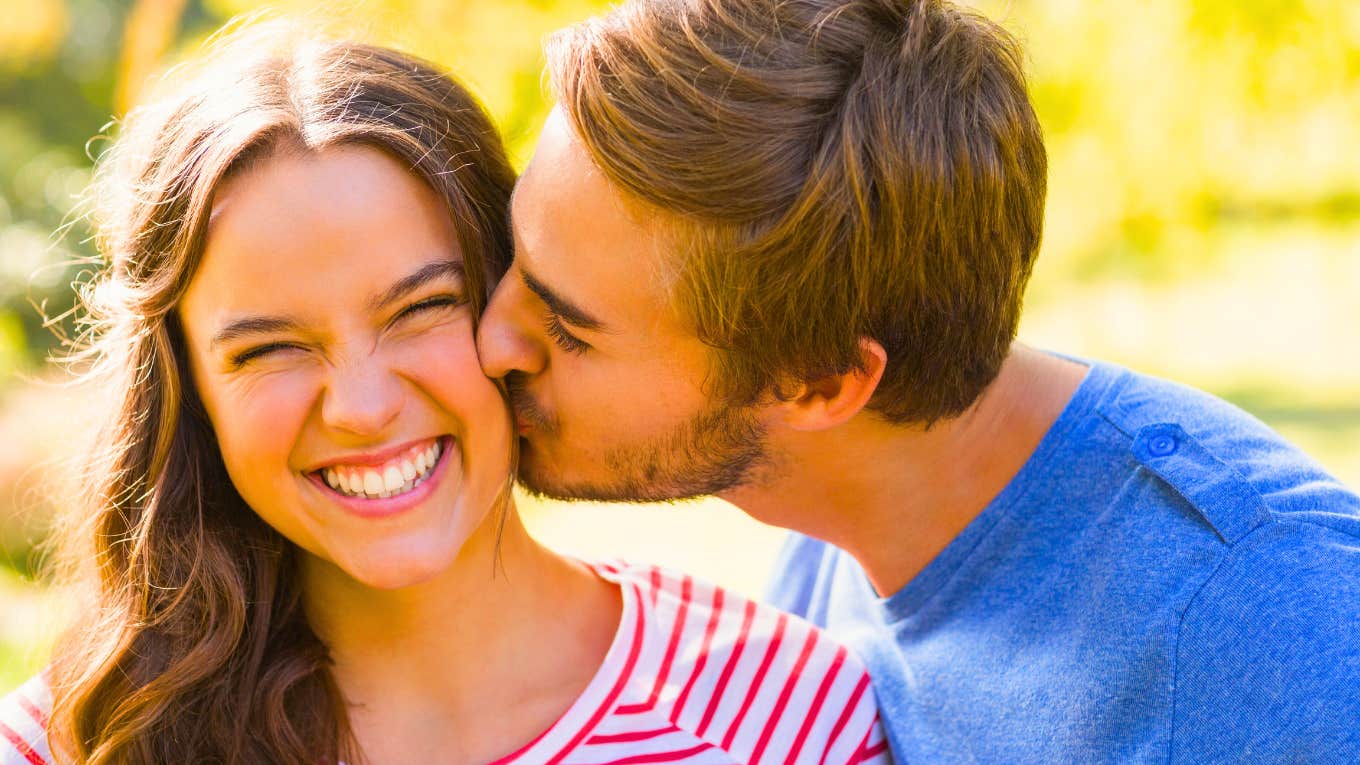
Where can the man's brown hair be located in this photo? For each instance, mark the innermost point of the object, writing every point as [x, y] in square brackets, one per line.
[834, 169]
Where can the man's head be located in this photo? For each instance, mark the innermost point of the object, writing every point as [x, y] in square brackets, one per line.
[744, 196]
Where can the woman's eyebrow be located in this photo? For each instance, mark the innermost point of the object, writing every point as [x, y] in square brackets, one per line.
[421, 276]
[260, 325]
[252, 325]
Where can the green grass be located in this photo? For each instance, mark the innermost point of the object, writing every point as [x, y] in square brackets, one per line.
[1326, 426]
[27, 629]
[18, 662]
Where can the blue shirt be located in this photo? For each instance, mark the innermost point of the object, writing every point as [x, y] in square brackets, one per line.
[1165, 580]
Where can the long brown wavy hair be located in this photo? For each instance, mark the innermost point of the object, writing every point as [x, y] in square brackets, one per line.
[193, 645]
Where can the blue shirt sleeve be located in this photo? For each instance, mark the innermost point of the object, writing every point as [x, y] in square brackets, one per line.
[1268, 653]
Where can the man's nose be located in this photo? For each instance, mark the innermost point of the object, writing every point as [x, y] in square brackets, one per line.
[363, 398]
[509, 336]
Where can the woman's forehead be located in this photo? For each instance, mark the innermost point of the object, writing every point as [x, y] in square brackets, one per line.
[340, 221]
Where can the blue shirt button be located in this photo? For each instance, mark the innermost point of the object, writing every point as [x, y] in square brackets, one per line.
[1162, 446]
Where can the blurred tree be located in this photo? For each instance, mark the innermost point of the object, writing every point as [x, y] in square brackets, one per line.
[151, 29]
[53, 97]
[1170, 117]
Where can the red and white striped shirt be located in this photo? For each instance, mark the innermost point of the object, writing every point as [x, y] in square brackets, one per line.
[23, 725]
[695, 675]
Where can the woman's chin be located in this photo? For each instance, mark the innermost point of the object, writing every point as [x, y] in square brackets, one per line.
[397, 567]
[394, 577]
[392, 559]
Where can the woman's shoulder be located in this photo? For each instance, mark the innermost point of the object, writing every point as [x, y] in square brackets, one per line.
[686, 608]
[758, 682]
[24, 714]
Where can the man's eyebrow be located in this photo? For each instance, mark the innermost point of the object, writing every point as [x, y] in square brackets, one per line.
[565, 309]
[426, 273]
[252, 325]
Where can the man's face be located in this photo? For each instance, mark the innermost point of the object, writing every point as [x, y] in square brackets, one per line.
[609, 385]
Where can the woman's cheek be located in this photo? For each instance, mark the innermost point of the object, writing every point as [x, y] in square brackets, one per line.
[262, 418]
[443, 356]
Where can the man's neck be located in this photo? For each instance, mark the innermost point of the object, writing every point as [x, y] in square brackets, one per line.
[894, 497]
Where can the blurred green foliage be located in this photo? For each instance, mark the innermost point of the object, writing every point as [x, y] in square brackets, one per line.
[1172, 115]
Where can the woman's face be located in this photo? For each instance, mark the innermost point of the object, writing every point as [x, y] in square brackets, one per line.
[331, 341]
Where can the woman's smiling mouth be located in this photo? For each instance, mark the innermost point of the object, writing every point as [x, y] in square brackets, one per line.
[386, 485]
[394, 477]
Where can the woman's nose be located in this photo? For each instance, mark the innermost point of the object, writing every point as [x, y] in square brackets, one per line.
[363, 398]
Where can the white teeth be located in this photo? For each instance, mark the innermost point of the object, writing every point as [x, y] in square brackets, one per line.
[373, 483]
[389, 480]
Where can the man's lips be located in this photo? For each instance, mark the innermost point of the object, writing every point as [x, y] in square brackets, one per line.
[529, 416]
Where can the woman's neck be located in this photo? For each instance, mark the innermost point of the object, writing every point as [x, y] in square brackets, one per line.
[456, 666]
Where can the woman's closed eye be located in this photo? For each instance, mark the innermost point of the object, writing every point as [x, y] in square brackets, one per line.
[241, 358]
[429, 306]
[432, 304]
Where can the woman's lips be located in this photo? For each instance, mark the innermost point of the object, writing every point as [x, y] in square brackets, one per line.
[381, 502]
[381, 478]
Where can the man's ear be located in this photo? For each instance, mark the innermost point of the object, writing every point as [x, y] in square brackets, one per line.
[830, 401]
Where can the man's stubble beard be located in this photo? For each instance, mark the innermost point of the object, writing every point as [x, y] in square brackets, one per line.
[718, 449]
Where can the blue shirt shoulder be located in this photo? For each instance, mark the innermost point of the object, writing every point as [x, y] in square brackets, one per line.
[1166, 580]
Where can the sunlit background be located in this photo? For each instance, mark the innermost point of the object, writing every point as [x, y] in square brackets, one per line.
[1203, 223]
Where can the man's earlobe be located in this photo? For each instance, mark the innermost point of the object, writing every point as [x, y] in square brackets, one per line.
[832, 400]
